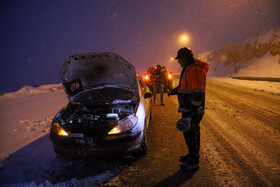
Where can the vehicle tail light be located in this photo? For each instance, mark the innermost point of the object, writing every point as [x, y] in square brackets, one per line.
[169, 75]
[146, 77]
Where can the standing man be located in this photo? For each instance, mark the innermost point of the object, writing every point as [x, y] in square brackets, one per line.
[157, 84]
[191, 98]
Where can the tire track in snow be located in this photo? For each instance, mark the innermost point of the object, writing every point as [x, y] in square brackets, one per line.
[269, 123]
[249, 97]
[250, 125]
[239, 157]
[242, 143]
[214, 155]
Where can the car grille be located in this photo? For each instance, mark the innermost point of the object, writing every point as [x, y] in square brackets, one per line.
[92, 128]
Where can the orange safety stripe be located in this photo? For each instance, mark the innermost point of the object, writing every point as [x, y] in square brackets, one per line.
[193, 79]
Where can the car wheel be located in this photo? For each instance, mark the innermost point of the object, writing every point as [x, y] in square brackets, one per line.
[145, 141]
[144, 144]
[58, 150]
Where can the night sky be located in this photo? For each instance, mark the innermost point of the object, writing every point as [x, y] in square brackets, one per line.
[37, 36]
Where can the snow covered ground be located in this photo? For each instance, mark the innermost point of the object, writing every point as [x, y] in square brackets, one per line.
[266, 66]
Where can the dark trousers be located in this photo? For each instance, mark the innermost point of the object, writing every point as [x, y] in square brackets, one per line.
[192, 137]
[156, 89]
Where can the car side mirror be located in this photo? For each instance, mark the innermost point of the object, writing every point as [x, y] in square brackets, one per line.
[148, 95]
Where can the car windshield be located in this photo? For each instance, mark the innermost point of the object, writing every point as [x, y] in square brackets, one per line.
[108, 95]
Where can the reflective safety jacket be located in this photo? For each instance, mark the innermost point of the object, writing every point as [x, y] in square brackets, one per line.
[191, 90]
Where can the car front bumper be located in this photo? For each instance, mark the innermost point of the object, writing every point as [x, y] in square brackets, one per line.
[98, 147]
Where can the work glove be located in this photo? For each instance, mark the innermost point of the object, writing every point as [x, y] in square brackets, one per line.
[173, 91]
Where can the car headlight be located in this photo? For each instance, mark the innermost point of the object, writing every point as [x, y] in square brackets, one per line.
[124, 125]
[57, 129]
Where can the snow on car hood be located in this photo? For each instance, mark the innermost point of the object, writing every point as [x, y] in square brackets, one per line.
[86, 71]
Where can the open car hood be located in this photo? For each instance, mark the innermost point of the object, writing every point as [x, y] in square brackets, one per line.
[87, 71]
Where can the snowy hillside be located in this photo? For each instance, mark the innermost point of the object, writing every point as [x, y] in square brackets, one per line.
[254, 57]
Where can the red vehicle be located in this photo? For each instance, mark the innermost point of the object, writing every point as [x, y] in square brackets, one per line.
[167, 77]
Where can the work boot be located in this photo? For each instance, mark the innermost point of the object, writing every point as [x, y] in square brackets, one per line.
[184, 159]
[192, 164]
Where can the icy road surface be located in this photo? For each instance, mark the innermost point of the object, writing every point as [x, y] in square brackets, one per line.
[239, 143]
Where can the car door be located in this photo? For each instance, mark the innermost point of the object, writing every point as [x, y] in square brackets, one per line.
[147, 102]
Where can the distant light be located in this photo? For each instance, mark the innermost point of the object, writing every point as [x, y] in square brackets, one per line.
[184, 39]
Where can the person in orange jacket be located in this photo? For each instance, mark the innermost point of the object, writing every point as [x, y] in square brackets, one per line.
[191, 98]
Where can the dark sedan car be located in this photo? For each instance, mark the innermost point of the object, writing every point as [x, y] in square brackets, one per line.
[109, 107]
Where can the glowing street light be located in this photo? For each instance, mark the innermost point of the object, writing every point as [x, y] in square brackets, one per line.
[184, 39]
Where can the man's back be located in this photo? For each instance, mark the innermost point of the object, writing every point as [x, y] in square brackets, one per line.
[158, 77]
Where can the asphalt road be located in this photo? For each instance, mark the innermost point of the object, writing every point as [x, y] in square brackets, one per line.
[239, 142]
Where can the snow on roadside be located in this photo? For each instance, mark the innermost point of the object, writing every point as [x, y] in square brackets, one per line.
[26, 115]
[33, 90]
[33, 125]
[265, 66]
[266, 86]
[96, 180]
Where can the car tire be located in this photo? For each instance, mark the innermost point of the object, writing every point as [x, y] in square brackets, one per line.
[145, 141]
[58, 150]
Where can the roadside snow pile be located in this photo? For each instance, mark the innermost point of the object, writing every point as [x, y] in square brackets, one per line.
[96, 180]
[34, 90]
[265, 66]
[255, 57]
[267, 86]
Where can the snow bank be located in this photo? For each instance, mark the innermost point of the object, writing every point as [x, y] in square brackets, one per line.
[96, 180]
[265, 66]
[34, 90]
[267, 86]
[26, 115]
